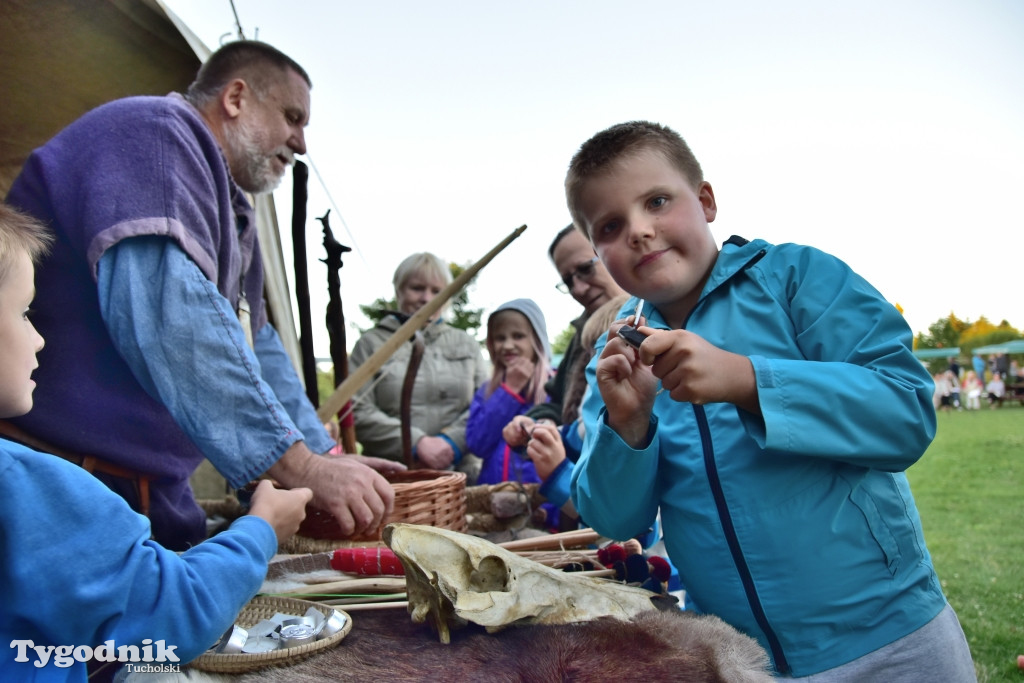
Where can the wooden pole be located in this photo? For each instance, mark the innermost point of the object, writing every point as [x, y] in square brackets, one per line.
[300, 175]
[374, 363]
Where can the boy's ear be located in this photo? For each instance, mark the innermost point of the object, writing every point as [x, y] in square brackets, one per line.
[706, 196]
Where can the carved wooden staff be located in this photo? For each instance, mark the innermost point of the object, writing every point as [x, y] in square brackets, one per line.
[336, 321]
[374, 363]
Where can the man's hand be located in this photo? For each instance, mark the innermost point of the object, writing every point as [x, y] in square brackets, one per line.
[358, 497]
[382, 465]
[434, 452]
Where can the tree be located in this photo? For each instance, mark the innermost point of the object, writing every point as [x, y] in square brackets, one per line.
[951, 333]
[561, 342]
[462, 316]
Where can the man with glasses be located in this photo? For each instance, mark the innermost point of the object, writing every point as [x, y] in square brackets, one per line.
[586, 279]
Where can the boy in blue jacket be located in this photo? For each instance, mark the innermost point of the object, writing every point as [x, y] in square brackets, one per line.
[79, 576]
[770, 414]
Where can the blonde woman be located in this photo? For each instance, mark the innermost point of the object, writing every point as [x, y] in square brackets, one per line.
[451, 369]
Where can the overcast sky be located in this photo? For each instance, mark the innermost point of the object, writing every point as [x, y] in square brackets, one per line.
[888, 133]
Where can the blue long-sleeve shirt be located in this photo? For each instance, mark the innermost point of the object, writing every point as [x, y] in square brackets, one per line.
[78, 568]
[180, 343]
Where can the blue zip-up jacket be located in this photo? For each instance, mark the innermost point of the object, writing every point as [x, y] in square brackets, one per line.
[797, 527]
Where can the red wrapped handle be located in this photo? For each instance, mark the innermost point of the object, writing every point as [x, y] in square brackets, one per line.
[367, 562]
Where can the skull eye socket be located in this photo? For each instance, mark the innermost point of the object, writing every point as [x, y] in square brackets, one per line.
[491, 575]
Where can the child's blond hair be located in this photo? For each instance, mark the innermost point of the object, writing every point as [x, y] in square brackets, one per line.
[596, 325]
[598, 154]
[20, 234]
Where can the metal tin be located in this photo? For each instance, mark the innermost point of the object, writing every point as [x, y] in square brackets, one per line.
[297, 634]
[234, 641]
[334, 623]
[261, 644]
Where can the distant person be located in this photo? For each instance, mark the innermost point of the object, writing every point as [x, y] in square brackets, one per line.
[995, 390]
[586, 279]
[1002, 365]
[451, 369]
[160, 350]
[954, 380]
[773, 444]
[77, 565]
[972, 390]
[979, 366]
[517, 342]
[943, 395]
[954, 367]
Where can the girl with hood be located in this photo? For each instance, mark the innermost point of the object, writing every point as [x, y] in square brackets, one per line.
[517, 341]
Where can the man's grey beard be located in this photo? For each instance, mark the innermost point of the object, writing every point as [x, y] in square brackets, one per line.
[251, 167]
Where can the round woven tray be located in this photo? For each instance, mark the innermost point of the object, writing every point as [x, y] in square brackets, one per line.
[430, 497]
[264, 607]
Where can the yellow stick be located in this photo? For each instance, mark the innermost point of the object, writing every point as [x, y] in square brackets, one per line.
[357, 379]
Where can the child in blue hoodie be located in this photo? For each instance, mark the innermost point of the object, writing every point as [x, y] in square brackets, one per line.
[769, 414]
[78, 571]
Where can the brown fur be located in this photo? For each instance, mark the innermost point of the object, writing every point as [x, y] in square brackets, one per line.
[385, 645]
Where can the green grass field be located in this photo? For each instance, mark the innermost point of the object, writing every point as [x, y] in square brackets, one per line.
[969, 488]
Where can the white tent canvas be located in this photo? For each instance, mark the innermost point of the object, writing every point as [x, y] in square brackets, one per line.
[61, 58]
[1013, 346]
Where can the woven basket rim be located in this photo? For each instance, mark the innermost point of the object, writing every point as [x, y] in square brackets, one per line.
[250, 615]
[430, 497]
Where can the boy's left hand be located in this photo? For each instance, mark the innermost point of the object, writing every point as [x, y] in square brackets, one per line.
[693, 370]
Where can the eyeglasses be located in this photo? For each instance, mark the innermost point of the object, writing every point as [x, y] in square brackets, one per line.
[584, 271]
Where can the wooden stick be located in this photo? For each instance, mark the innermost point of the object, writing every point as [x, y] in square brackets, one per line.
[357, 379]
[375, 605]
[377, 585]
[566, 539]
[334, 600]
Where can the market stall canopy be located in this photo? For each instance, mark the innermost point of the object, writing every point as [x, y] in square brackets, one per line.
[1013, 346]
[936, 353]
[61, 58]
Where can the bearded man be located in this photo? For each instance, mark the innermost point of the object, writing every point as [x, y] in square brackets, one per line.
[159, 352]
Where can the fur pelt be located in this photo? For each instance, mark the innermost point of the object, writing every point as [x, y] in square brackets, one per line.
[657, 646]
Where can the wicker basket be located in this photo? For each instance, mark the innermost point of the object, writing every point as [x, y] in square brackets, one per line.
[264, 607]
[430, 497]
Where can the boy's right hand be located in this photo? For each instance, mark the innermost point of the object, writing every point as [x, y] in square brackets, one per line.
[283, 509]
[628, 388]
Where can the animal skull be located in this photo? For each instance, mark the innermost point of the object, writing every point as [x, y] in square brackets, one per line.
[453, 578]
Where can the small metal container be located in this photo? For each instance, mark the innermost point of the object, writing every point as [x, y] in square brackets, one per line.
[233, 641]
[334, 623]
[297, 634]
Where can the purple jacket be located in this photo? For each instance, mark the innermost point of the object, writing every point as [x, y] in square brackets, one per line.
[136, 166]
[488, 415]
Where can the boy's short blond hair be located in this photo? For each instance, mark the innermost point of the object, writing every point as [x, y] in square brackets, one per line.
[20, 234]
[598, 154]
